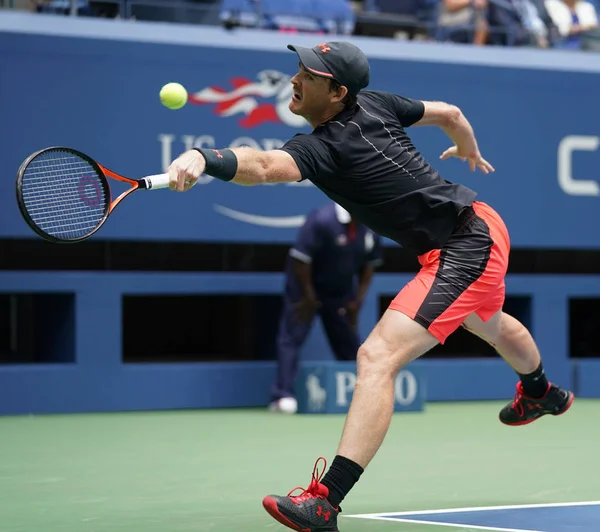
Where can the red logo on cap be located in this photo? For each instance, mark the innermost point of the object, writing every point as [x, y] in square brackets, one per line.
[324, 48]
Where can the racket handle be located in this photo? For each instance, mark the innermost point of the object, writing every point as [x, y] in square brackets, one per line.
[155, 181]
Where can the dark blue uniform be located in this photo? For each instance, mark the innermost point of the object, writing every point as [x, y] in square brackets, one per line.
[337, 248]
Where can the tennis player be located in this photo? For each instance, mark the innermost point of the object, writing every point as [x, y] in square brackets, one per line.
[361, 157]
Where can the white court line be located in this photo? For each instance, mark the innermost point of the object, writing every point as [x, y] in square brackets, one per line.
[379, 516]
[456, 525]
[481, 509]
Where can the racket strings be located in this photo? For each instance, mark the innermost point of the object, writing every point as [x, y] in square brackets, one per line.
[63, 194]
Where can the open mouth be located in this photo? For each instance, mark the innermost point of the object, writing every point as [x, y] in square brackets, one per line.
[296, 97]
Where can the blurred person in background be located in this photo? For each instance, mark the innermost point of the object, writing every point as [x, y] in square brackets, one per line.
[576, 20]
[61, 7]
[521, 23]
[328, 272]
[463, 21]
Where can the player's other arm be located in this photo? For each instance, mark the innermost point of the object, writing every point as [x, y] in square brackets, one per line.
[446, 116]
[242, 166]
[454, 123]
[450, 119]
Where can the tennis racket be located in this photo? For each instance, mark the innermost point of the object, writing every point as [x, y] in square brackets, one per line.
[65, 196]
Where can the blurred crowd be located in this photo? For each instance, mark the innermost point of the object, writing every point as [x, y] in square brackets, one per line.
[563, 24]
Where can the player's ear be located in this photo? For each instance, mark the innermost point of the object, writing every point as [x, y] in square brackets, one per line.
[338, 92]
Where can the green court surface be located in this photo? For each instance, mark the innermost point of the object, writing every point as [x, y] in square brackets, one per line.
[188, 471]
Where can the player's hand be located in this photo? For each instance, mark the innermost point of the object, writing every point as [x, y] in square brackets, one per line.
[475, 159]
[185, 170]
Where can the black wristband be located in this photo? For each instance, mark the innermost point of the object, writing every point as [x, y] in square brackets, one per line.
[221, 164]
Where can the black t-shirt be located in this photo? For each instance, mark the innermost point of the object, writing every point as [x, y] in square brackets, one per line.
[363, 160]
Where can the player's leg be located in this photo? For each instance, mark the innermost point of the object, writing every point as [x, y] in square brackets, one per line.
[394, 342]
[535, 395]
[291, 336]
[512, 340]
[343, 338]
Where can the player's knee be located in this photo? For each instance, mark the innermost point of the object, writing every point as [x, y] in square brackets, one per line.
[373, 360]
[511, 331]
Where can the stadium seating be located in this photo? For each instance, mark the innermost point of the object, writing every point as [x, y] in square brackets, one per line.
[240, 12]
[314, 16]
[336, 15]
[382, 18]
[391, 16]
[63, 7]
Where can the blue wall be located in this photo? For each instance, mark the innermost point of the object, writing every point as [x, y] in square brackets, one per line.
[99, 381]
[93, 85]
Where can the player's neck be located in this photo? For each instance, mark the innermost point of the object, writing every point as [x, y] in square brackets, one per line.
[326, 116]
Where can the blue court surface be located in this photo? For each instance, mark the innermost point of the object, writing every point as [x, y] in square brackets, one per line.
[559, 517]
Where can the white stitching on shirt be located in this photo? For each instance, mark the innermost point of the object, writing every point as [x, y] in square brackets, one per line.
[379, 151]
[384, 127]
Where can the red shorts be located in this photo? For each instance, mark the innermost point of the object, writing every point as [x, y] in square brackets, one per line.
[466, 276]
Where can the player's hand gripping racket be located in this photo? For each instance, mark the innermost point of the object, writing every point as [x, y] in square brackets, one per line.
[65, 196]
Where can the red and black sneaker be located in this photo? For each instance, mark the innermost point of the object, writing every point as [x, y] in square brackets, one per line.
[310, 511]
[524, 410]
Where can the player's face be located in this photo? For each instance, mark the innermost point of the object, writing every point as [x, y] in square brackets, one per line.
[311, 95]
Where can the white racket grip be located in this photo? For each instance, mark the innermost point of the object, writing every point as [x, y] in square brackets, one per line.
[156, 181]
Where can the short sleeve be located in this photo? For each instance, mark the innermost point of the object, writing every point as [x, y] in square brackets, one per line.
[314, 157]
[308, 240]
[406, 109]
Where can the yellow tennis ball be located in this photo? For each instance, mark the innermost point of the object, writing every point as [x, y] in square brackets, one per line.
[173, 95]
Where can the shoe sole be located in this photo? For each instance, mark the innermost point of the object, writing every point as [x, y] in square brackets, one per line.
[521, 423]
[270, 505]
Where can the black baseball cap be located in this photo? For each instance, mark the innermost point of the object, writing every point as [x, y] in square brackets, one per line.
[342, 61]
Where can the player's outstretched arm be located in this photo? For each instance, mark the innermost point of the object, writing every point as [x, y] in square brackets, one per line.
[454, 123]
[243, 166]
